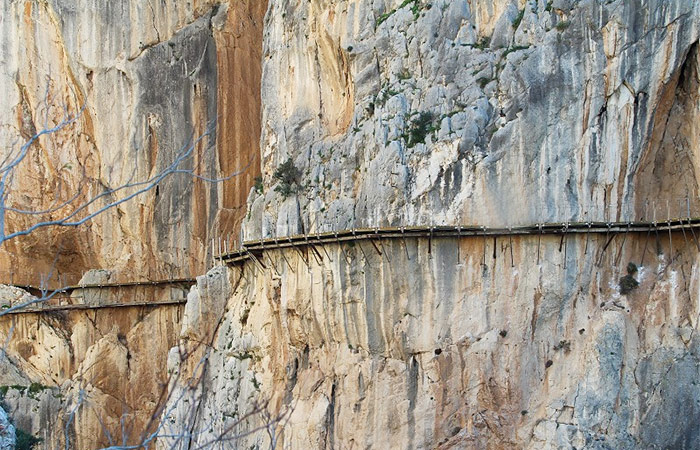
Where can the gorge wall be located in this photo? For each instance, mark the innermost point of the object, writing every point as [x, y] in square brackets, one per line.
[145, 82]
[491, 113]
[444, 351]
[498, 113]
[370, 113]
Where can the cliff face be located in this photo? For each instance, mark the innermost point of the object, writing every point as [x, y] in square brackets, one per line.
[93, 377]
[489, 112]
[145, 80]
[440, 350]
[495, 113]
[373, 113]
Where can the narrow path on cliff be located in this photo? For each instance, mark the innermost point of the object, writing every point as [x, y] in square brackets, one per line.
[253, 250]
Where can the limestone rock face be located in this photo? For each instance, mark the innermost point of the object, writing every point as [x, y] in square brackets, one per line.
[373, 113]
[99, 374]
[13, 296]
[142, 87]
[139, 86]
[452, 348]
[497, 113]
[486, 112]
[7, 432]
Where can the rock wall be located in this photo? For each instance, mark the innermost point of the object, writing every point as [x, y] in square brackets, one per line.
[374, 113]
[487, 112]
[144, 82]
[362, 350]
[495, 113]
[140, 84]
[94, 377]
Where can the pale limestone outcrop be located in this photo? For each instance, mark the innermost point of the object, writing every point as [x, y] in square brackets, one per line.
[7, 432]
[101, 371]
[12, 296]
[496, 113]
[442, 351]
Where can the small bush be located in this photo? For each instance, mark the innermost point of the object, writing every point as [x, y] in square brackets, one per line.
[563, 25]
[415, 9]
[420, 127]
[36, 387]
[482, 44]
[483, 81]
[288, 176]
[518, 19]
[25, 441]
[259, 188]
[514, 48]
[404, 75]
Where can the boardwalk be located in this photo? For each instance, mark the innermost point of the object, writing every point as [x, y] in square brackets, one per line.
[82, 307]
[690, 228]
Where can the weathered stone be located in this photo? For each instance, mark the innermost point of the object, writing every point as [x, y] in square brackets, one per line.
[440, 350]
[147, 81]
[496, 113]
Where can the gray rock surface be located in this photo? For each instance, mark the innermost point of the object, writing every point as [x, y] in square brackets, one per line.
[7, 432]
[533, 111]
[442, 351]
[494, 112]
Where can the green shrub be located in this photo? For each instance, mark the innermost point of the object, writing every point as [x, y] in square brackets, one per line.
[34, 389]
[25, 441]
[288, 176]
[483, 81]
[415, 9]
[563, 25]
[404, 75]
[420, 127]
[259, 188]
[482, 44]
[518, 19]
[514, 48]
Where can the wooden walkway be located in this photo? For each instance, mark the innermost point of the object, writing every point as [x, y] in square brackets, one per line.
[32, 309]
[251, 249]
[69, 289]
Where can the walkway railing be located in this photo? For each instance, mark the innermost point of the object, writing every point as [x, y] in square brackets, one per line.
[251, 247]
[83, 307]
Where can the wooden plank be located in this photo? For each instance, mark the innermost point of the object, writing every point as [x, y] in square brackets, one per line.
[460, 231]
[65, 289]
[83, 307]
